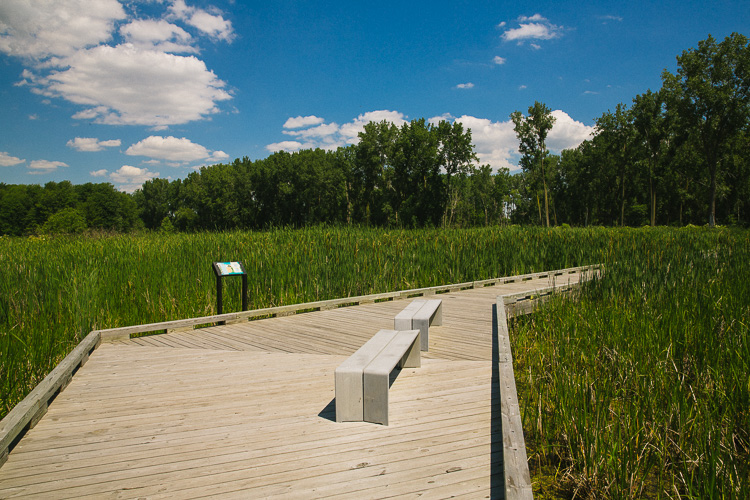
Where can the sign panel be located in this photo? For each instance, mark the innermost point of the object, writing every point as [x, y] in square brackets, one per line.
[229, 268]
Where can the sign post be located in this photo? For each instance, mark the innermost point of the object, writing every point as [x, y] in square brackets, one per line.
[222, 270]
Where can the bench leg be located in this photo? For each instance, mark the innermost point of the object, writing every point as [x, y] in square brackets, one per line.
[376, 398]
[349, 405]
[413, 357]
[402, 324]
[423, 326]
[438, 319]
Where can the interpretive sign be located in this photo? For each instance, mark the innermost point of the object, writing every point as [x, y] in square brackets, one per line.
[227, 269]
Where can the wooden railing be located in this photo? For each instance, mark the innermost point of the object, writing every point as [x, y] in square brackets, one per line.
[124, 333]
[28, 412]
[516, 476]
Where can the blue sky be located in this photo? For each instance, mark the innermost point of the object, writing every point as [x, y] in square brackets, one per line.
[122, 91]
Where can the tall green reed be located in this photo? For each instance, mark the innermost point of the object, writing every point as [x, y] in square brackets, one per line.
[640, 387]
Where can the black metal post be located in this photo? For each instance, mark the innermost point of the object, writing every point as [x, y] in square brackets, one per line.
[244, 292]
[219, 297]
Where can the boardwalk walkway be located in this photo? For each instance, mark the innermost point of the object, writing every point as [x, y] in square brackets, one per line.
[247, 411]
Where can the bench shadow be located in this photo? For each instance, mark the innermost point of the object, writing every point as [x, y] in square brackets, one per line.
[497, 470]
[329, 412]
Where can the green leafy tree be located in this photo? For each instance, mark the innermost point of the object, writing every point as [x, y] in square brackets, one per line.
[711, 94]
[372, 173]
[17, 208]
[532, 133]
[67, 221]
[154, 202]
[653, 132]
[456, 156]
[417, 182]
[615, 136]
[106, 208]
[54, 197]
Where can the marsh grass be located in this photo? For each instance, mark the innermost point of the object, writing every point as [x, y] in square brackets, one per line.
[641, 386]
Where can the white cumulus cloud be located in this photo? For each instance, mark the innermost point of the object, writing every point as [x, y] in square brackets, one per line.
[172, 149]
[7, 160]
[350, 130]
[43, 28]
[125, 85]
[495, 143]
[138, 78]
[314, 133]
[303, 121]
[289, 146]
[128, 178]
[211, 24]
[92, 144]
[534, 27]
[567, 133]
[468, 85]
[157, 34]
[499, 60]
[99, 173]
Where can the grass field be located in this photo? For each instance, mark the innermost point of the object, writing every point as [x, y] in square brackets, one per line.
[640, 387]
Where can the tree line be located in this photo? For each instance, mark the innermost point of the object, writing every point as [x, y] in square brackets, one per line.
[417, 175]
[676, 156]
[672, 157]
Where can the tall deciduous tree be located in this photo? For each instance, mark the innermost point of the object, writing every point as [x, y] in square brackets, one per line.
[532, 133]
[651, 126]
[372, 174]
[456, 157]
[711, 91]
[615, 136]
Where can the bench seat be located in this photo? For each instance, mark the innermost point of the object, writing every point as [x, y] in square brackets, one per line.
[419, 315]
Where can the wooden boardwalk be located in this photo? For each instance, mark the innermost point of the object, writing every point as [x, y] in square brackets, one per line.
[247, 411]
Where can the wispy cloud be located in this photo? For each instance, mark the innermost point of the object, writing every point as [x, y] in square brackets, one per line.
[607, 18]
[467, 85]
[45, 166]
[92, 144]
[499, 60]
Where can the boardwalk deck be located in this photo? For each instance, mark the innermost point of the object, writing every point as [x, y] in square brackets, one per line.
[247, 411]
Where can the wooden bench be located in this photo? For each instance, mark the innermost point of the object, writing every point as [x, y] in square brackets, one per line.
[362, 381]
[419, 315]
